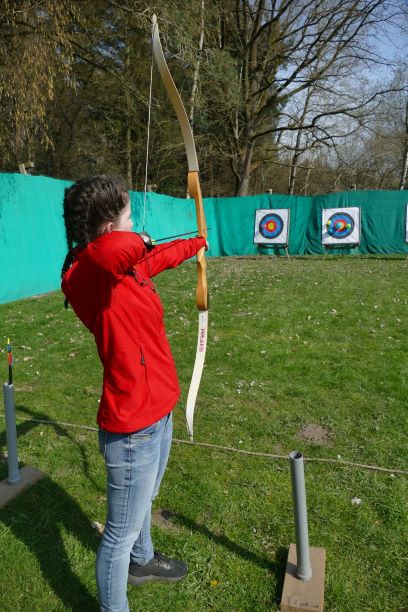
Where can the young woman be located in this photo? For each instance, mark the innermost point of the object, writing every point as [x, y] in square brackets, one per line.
[106, 278]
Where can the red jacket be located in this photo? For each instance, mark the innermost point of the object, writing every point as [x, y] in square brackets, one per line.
[110, 290]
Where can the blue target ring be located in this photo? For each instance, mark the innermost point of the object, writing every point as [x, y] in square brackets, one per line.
[271, 226]
[340, 225]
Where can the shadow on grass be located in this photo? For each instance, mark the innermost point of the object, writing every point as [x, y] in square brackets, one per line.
[42, 419]
[37, 518]
[276, 567]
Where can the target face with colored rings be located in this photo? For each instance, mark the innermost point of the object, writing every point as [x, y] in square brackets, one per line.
[340, 225]
[271, 226]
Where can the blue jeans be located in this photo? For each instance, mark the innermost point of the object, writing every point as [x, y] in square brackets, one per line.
[135, 465]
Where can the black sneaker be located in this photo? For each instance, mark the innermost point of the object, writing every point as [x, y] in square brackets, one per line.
[159, 568]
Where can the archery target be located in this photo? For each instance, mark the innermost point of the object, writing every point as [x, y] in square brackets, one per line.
[272, 226]
[341, 226]
[406, 226]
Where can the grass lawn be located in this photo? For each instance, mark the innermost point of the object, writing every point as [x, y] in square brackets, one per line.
[307, 354]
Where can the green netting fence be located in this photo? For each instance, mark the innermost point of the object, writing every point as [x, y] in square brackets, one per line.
[32, 236]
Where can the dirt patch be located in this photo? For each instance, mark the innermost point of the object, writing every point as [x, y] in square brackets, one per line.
[165, 518]
[315, 434]
[93, 390]
[28, 388]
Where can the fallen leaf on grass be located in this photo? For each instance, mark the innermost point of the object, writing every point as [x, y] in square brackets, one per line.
[99, 527]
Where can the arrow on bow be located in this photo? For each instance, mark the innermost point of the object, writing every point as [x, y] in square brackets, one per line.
[194, 188]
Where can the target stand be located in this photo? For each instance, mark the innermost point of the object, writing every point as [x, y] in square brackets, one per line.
[303, 587]
[276, 249]
[272, 230]
[347, 249]
[18, 479]
[406, 228]
[340, 229]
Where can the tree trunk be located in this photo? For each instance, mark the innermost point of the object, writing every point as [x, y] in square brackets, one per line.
[306, 188]
[197, 68]
[404, 172]
[196, 75]
[242, 182]
[298, 150]
[129, 173]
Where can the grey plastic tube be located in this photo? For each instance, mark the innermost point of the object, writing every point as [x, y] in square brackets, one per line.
[304, 569]
[11, 434]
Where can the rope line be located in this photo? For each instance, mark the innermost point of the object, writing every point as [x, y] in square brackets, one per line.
[231, 449]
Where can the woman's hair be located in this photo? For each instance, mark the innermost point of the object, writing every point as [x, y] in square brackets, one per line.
[89, 203]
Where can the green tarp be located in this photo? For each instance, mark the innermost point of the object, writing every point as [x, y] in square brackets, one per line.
[32, 236]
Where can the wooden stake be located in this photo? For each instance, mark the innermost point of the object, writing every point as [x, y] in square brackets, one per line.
[8, 492]
[300, 595]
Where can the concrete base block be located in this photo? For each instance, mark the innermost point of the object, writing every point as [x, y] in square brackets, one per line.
[8, 492]
[300, 595]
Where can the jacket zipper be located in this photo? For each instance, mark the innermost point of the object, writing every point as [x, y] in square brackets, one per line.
[143, 363]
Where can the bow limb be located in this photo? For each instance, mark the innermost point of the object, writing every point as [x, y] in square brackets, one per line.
[194, 189]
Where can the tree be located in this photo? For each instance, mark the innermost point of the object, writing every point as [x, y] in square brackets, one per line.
[282, 49]
[376, 157]
[34, 51]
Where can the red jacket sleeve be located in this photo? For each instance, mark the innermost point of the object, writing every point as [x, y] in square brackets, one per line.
[170, 255]
[117, 252]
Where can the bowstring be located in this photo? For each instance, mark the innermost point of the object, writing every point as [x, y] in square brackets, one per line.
[148, 141]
